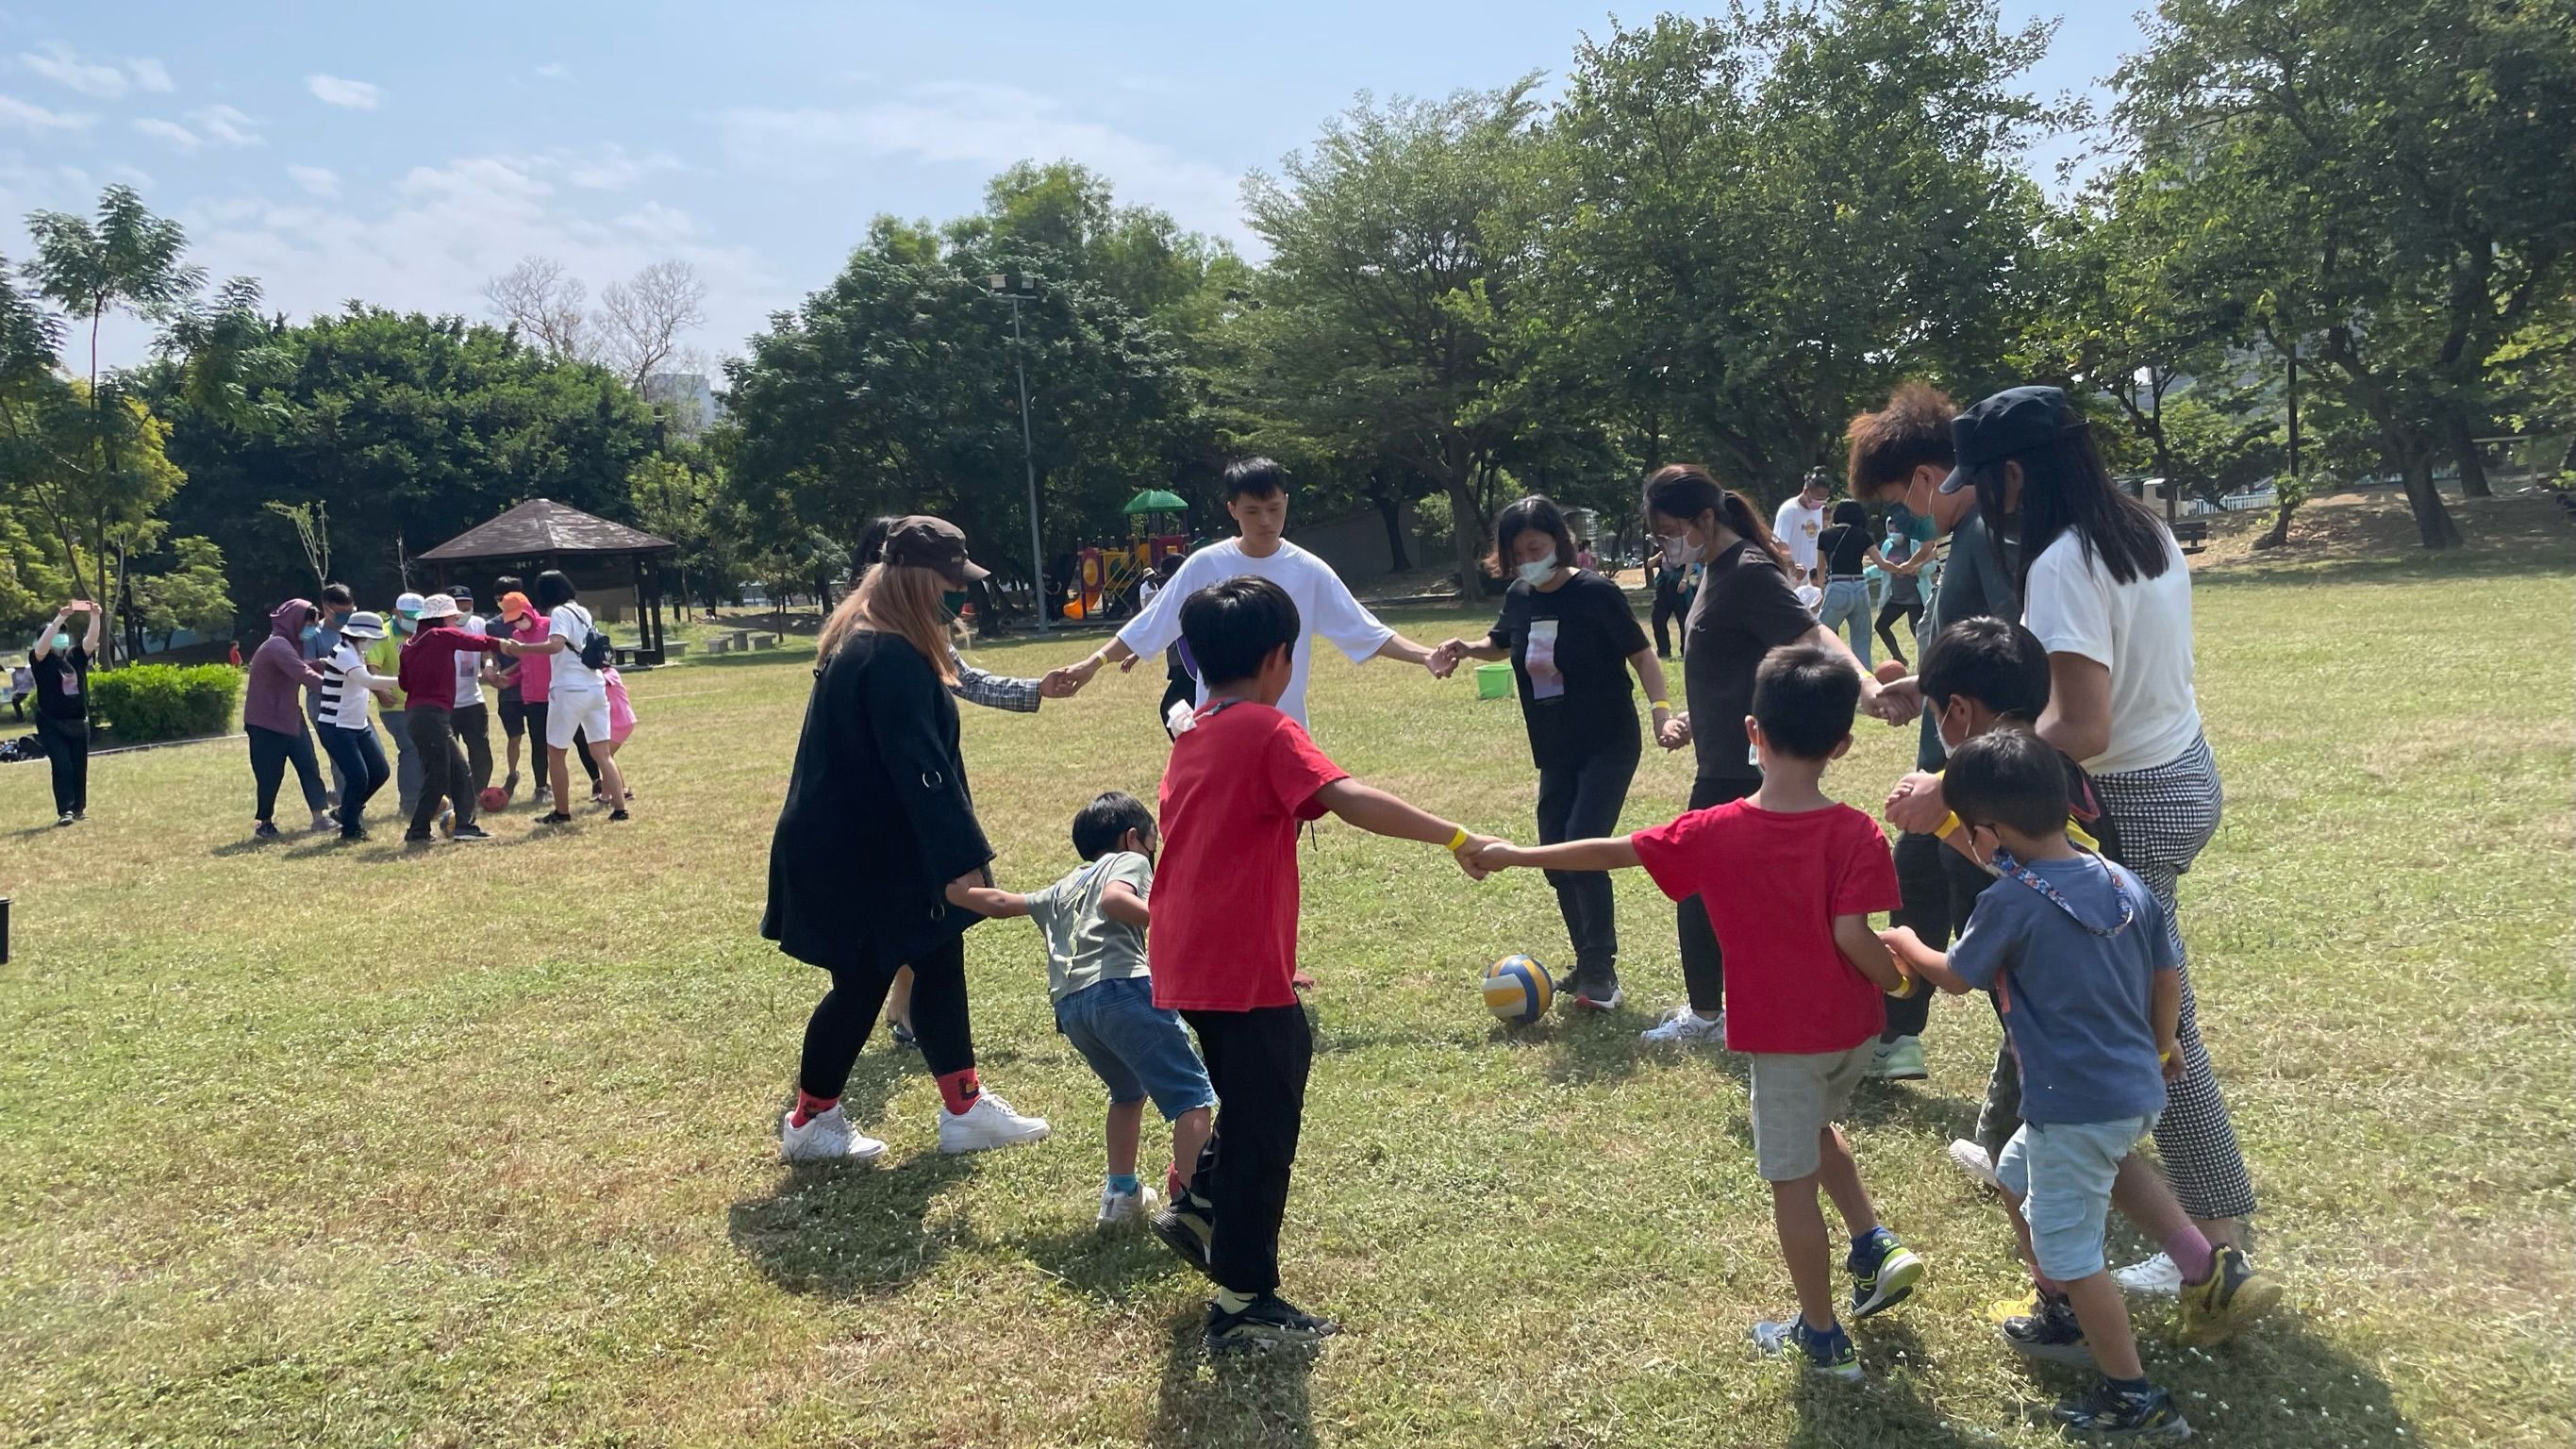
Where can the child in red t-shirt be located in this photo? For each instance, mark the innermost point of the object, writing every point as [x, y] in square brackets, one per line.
[1242, 779]
[1790, 879]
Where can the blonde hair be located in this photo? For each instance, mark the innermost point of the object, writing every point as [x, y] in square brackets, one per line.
[906, 602]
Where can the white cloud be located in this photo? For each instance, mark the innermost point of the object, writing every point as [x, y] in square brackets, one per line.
[316, 180]
[58, 63]
[226, 127]
[331, 90]
[988, 126]
[27, 117]
[611, 168]
[554, 70]
[170, 131]
[150, 75]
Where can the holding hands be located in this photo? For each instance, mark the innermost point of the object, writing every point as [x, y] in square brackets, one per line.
[1674, 732]
[1915, 805]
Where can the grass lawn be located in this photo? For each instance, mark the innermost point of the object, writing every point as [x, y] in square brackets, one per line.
[305, 1145]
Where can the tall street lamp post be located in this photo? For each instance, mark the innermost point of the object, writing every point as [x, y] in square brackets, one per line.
[1014, 290]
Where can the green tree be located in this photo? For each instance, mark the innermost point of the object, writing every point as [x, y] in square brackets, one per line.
[190, 594]
[2383, 181]
[1380, 307]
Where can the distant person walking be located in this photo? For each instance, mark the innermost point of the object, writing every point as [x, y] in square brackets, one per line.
[348, 735]
[273, 717]
[59, 666]
[472, 718]
[320, 638]
[576, 696]
[429, 681]
[384, 659]
[1801, 522]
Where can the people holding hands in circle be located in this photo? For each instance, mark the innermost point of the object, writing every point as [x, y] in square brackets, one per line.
[1572, 640]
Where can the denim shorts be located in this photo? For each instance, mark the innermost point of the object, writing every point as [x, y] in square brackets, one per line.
[2062, 1173]
[1136, 1050]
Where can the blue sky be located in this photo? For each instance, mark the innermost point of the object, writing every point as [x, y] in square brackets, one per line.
[404, 154]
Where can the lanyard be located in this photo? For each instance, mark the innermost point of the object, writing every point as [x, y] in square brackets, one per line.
[2013, 870]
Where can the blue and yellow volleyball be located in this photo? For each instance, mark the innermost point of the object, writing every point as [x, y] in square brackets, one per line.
[1518, 990]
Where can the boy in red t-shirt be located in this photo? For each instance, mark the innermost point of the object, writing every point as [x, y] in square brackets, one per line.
[1790, 879]
[1243, 777]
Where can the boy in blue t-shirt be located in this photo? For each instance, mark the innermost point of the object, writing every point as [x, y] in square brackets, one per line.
[2075, 950]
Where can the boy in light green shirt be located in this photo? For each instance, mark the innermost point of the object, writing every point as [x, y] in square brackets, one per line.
[1095, 920]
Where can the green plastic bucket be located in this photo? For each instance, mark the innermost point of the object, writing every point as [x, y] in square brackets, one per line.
[1493, 681]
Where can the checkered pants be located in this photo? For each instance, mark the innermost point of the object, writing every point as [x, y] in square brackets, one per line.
[2165, 817]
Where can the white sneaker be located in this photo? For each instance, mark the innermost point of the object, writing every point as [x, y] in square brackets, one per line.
[2156, 1275]
[988, 1123]
[1123, 1207]
[825, 1137]
[1973, 1161]
[1687, 1026]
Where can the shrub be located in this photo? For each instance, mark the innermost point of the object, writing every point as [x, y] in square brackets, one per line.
[166, 701]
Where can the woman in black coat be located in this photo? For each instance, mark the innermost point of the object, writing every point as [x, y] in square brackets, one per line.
[878, 822]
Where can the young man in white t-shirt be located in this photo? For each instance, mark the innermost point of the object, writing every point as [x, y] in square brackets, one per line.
[1256, 493]
[1801, 520]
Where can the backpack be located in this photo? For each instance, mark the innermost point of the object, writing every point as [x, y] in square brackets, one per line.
[597, 652]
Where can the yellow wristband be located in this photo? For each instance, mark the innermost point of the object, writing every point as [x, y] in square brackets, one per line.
[1904, 984]
[1948, 827]
[1665, 705]
[2164, 1059]
[1457, 840]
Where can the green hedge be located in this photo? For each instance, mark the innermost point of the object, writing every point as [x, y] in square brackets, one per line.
[165, 701]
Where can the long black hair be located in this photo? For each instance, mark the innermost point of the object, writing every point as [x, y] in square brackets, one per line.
[2066, 486]
[554, 590]
[1539, 512]
[1685, 490]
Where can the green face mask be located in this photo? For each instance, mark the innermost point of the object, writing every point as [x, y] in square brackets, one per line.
[63, 642]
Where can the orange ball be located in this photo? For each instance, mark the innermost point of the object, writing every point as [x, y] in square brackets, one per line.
[1890, 671]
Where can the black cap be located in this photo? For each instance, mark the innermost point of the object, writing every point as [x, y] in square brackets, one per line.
[923, 542]
[2010, 423]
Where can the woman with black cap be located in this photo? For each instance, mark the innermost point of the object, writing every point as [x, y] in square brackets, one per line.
[878, 823]
[2105, 588]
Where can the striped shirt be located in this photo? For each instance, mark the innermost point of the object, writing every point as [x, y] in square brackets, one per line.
[343, 694]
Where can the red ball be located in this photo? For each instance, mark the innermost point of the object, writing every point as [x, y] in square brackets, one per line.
[494, 797]
[1890, 671]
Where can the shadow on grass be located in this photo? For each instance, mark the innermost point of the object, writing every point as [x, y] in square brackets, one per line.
[849, 1230]
[2278, 1382]
[1887, 1408]
[755, 659]
[1114, 1266]
[1254, 1401]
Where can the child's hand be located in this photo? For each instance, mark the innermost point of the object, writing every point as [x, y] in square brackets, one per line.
[1300, 979]
[1915, 805]
[960, 891]
[2169, 1056]
[1902, 942]
[1674, 733]
[1492, 854]
[1470, 856]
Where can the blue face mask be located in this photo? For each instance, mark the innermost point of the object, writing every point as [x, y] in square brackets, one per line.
[63, 643]
[311, 632]
[1538, 571]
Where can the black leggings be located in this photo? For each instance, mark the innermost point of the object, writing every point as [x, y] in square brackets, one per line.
[271, 751]
[1703, 967]
[1180, 687]
[66, 743]
[848, 1012]
[1911, 611]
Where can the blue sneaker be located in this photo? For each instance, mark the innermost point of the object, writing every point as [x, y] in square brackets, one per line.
[1884, 1272]
[1828, 1353]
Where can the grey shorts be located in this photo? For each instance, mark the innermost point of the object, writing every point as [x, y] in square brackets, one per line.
[2062, 1173]
[1796, 1096]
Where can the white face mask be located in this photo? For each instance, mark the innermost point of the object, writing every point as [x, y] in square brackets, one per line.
[1538, 571]
[1679, 552]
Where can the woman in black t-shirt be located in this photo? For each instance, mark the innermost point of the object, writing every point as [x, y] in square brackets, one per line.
[1745, 609]
[1845, 551]
[1572, 638]
[62, 706]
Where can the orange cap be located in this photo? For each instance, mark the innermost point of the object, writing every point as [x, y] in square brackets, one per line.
[513, 605]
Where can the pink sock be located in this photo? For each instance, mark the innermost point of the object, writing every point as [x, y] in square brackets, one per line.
[2191, 1252]
[809, 1106]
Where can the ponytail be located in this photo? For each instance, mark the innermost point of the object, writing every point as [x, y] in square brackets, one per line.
[1685, 490]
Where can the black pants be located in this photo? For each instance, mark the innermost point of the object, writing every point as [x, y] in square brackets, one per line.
[1582, 802]
[1179, 687]
[1668, 607]
[271, 751]
[1924, 888]
[842, 1020]
[360, 759]
[473, 726]
[1257, 1060]
[443, 771]
[536, 717]
[1703, 967]
[66, 744]
[1911, 611]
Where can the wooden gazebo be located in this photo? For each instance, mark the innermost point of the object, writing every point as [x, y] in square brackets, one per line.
[594, 553]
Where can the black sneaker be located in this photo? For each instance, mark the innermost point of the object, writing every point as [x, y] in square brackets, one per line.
[1597, 990]
[1184, 1227]
[354, 834]
[619, 815]
[2111, 1412]
[265, 830]
[904, 1038]
[554, 817]
[471, 832]
[2049, 1331]
[1267, 1322]
[416, 837]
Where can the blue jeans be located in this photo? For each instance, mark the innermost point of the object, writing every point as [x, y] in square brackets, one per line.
[1136, 1050]
[2061, 1172]
[360, 759]
[1847, 602]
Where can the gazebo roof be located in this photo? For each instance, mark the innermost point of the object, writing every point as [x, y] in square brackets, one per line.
[540, 527]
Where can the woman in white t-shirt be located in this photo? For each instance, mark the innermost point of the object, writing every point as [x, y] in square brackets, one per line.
[2105, 589]
[576, 698]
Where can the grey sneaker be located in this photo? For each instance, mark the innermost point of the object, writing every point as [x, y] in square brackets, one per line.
[1267, 1322]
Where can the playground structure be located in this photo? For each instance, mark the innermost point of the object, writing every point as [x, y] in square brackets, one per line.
[1108, 576]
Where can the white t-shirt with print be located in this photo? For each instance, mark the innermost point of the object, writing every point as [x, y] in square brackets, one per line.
[2140, 631]
[469, 667]
[1798, 526]
[571, 623]
[1325, 609]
